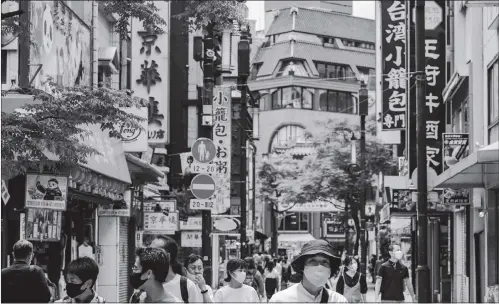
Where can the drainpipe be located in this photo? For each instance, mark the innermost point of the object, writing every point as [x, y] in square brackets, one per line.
[95, 47]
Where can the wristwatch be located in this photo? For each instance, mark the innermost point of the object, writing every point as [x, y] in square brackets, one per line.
[204, 291]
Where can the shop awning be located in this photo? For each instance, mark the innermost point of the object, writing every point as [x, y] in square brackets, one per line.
[260, 236]
[295, 237]
[142, 170]
[108, 58]
[479, 170]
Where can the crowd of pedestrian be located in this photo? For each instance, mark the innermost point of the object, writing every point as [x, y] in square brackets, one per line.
[317, 275]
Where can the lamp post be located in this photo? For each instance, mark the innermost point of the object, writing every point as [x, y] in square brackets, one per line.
[363, 112]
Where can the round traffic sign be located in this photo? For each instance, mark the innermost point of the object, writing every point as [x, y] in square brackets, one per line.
[202, 186]
[204, 150]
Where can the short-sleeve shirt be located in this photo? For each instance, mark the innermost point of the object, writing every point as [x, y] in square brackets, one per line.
[392, 285]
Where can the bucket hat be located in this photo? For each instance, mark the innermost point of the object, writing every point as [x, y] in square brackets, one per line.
[315, 247]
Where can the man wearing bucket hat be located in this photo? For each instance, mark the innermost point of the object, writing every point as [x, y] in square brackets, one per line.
[317, 264]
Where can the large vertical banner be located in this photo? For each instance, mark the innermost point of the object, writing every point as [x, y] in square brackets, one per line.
[222, 137]
[435, 48]
[150, 74]
[394, 78]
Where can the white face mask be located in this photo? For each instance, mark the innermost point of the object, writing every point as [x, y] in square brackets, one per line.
[317, 275]
[239, 276]
[398, 255]
[354, 267]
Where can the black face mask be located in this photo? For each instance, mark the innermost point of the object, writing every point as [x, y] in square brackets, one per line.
[74, 290]
[135, 280]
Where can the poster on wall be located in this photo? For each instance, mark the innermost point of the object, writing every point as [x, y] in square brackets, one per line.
[455, 147]
[46, 191]
[120, 207]
[402, 201]
[63, 46]
[191, 239]
[160, 221]
[43, 225]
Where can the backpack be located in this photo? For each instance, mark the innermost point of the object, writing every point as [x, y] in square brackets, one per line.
[183, 289]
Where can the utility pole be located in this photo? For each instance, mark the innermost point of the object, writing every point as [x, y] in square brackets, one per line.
[363, 112]
[243, 64]
[206, 131]
[423, 271]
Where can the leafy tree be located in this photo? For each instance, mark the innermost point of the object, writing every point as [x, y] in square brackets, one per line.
[324, 174]
[143, 10]
[213, 15]
[55, 123]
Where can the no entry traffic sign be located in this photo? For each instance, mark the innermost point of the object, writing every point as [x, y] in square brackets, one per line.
[204, 150]
[203, 186]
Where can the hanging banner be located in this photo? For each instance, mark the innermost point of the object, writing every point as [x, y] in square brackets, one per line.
[384, 214]
[435, 55]
[161, 221]
[150, 74]
[455, 147]
[43, 225]
[393, 52]
[191, 239]
[5, 193]
[46, 191]
[222, 137]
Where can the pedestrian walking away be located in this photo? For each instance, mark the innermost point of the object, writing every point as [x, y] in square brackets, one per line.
[149, 273]
[392, 277]
[20, 277]
[80, 276]
[271, 279]
[176, 281]
[317, 263]
[351, 283]
[236, 291]
[195, 271]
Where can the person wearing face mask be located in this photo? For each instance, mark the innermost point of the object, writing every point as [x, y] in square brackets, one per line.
[236, 291]
[391, 278]
[351, 283]
[80, 276]
[318, 264]
[21, 276]
[195, 270]
[149, 273]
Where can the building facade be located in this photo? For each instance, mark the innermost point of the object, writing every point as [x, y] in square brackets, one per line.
[307, 71]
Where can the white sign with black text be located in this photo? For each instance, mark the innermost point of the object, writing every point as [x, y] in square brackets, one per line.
[191, 239]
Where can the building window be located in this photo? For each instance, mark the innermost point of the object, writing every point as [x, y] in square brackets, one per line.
[336, 101]
[493, 101]
[295, 221]
[4, 67]
[288, 136]
[292, 98]
[294, 68]
[335, 71]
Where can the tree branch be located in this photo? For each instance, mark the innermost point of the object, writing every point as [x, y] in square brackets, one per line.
[12, 14]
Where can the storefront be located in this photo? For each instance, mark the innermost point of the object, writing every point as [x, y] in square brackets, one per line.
[476, 228]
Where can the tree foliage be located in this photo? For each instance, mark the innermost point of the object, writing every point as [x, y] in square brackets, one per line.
[55, 125]
[217, 14]
[324, 174]
[145, 11]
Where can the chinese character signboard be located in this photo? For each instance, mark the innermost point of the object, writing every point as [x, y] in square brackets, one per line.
[191, 239]
[46, 191]
[150, 74]
[455, 148]
[435, 60]
[394, 79]
[222, 137]
[161, 221]
[402, 201]
[192, 223]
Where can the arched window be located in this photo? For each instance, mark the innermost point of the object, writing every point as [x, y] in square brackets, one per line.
[288, 136]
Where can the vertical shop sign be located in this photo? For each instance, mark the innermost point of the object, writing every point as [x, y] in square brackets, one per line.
[222, 137]
[435, 48]
[150, 74]
[394, 79]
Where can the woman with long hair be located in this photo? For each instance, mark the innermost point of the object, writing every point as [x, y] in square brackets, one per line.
[351, 283]
[271, 279]
[235, 291]
[195, 271]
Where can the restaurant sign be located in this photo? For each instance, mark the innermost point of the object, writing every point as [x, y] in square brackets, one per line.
[317, 206]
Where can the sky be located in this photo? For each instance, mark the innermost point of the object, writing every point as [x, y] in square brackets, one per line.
[361, 8]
